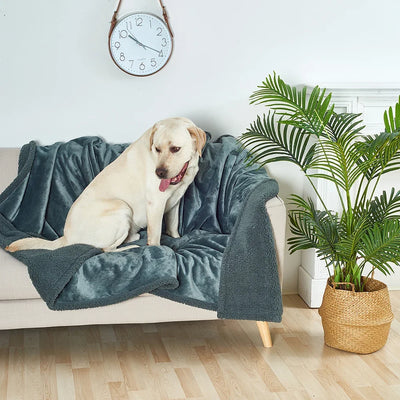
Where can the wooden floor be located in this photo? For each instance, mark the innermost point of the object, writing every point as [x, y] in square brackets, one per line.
[196, 360]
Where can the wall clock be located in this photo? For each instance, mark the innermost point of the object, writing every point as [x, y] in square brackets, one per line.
[140, 43]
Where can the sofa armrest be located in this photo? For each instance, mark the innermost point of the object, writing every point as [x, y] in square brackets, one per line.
[277, 214]
[8, 166]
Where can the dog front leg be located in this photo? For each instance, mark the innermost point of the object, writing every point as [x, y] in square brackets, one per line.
[172, 221]
[155, 212]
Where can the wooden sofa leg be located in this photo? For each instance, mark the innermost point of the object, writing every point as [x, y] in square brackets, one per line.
[265, 334]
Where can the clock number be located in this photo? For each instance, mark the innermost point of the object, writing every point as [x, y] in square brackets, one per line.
[153, 62]
[160, 54]
[122, 57]
[159, 30]
[142, 67]
[131, 61]
[117, 45]
[163, 42]
[123, 34]
[128, 25]
[139, 21]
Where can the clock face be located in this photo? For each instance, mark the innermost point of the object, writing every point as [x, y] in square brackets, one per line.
[140, 44]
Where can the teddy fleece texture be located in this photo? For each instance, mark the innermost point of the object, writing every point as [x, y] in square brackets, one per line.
[224, 261]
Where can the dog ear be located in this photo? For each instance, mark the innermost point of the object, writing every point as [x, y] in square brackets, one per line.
[153, 131]
[200, 136]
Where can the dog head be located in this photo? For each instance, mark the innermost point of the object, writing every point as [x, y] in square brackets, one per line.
[176, 143]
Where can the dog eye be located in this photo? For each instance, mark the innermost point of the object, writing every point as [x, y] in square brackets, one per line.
[158, 150]
[175, 149]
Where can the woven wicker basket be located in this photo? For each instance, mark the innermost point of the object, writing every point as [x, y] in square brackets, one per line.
[358, 322]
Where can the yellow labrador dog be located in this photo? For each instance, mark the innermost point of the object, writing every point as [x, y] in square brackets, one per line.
[145, 182]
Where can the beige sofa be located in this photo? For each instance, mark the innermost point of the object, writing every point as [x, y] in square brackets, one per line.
[22, 307]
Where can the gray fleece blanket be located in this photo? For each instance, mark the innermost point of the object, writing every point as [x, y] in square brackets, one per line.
[224, 261]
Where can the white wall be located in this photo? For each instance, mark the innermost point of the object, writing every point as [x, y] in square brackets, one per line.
[57, 80]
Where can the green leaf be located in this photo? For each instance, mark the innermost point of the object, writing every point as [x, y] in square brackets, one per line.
[340, 124]
[338, 160]
[269, 142]
[392, 119]
[310, 113]
[384, 207]
[380, 246]
[313, 228]
[379, 154]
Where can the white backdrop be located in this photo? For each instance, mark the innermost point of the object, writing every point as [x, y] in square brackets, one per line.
[57, 80]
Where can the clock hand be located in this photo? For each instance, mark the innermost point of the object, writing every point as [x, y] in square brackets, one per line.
[137, 41]
[157, 51]
[141, 44]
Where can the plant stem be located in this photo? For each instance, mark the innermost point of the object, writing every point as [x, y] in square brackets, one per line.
[356, 202]
[334, 178]
[317, 193]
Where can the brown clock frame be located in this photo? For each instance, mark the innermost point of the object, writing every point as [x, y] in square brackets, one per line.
[114, 22]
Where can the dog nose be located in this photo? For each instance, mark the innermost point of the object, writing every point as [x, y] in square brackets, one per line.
[161, 173]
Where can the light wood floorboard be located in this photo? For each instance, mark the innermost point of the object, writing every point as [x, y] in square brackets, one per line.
[204, 360]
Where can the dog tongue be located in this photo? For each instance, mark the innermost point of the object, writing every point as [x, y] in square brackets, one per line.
[164, 184]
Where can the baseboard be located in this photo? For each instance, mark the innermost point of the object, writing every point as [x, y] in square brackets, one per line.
[311, 290]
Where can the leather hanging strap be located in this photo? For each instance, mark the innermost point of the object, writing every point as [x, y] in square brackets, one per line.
[114, 17]
[165, 15]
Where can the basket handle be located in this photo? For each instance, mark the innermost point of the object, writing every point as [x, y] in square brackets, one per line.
[353, 286]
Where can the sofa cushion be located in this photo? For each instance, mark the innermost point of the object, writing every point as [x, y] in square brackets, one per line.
[14, 279]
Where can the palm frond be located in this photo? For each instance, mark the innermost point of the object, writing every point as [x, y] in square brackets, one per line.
[349, 243]
[340, 124]
[304, 233]
[338, 160]
[307, 112]
[392, 119]
[380, 246]
[385, 207]
[379, 154]
[313, 229]
[270, 142]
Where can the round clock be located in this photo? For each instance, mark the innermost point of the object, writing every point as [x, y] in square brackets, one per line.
[140, 44]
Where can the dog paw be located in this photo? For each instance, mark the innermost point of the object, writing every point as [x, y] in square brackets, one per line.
[173, 234]
[132, 238]
[153, 244]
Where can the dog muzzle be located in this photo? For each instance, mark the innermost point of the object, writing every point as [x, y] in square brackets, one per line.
[164, 184]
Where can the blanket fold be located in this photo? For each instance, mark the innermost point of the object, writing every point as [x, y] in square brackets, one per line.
[224, 260]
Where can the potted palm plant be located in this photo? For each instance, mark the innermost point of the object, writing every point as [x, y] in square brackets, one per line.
[362, 236]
